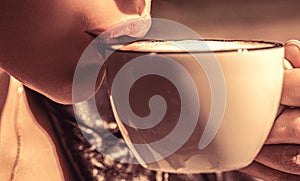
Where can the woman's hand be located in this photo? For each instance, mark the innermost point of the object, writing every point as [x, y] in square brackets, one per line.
[279, 159]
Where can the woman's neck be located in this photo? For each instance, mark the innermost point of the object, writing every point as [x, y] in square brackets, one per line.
[4, 84]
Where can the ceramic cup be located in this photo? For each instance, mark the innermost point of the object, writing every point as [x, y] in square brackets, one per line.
[195, 106]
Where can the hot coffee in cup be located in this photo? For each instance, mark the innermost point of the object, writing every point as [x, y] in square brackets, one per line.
[195, 106]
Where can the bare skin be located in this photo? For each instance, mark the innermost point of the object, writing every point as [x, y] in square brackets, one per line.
[40, 45]
[42, 41]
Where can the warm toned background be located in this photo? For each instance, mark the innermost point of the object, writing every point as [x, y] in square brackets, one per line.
[276, 20]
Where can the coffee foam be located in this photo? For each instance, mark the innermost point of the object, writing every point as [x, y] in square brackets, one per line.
[190, 45]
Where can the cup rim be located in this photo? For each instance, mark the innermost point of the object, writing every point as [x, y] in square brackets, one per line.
[271, 43]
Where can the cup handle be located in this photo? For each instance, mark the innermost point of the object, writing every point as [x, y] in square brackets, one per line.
[287, 66]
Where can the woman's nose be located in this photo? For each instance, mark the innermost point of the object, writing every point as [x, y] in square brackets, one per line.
[133, 6]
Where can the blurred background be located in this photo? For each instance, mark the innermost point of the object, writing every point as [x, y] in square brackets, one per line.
[273, 20]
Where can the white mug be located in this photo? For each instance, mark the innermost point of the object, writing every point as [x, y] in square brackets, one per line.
[195, 106]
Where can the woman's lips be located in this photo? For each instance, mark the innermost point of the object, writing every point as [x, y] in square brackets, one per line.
[118, 34]
[123, 32]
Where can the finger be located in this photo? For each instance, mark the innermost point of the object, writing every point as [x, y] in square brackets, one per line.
[291, 83]
[268, 174]
[292, 52]
[286, 128]
[291, 88]
[285, 158]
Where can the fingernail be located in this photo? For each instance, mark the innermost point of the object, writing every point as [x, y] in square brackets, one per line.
[292, 52]
[292, 48]
[294, 43]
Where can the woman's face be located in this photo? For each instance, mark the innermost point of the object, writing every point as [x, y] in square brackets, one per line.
[41, 41]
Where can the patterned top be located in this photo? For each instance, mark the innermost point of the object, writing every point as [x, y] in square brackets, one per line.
[87, 139]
